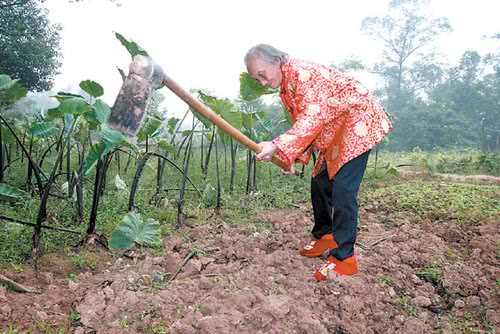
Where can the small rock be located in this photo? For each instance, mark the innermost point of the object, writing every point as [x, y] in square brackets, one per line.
[42, 315]
[459, 303]
[416, 280]
[49, 277]
[85, 275]
[6, 310]
[79, 330]
[158, 261]
[421, 301]
[72, 286]
[392, 293]
[473, 301]
[3, 291]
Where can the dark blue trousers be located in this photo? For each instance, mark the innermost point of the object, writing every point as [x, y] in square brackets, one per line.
[335, 204]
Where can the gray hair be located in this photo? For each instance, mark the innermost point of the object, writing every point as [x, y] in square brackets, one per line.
[267, 53]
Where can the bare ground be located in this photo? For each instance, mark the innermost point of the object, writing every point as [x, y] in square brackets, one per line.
[418, 276]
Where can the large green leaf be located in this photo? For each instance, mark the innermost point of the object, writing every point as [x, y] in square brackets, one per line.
[250, 89]
[132, 47]
[11, 90]
[43, 130]
[151, 125]
[92, 88]
[111, 139]
[92, 158]
[102, 111]
[164, 145]
[201, 118]
[74, 106]
[53, 113]
[63, 96]
[132, 230]
[8, 193]
[210, 195]
[224, 109]
[172, 124]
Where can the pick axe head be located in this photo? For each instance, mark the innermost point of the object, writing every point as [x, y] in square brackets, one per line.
[127, 114]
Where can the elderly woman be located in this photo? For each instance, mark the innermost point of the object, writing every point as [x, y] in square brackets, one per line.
[334, 114]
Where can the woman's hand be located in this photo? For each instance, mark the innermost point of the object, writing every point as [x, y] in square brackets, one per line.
[290, 171]
[268, 149]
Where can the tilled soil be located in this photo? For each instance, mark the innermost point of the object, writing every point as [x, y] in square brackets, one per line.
[416, 276]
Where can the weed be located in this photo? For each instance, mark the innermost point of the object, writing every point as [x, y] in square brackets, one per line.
[387, 280]
[13, 330]
[124, 323]
[406, 306]
[156, 329]
[179, 309]
[433, 274]
[71, 277]
[74, 317]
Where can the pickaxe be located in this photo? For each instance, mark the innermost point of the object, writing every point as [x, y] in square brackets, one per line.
[135, 94]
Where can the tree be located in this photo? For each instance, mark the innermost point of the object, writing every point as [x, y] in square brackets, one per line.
[29, 44]
[405, 32]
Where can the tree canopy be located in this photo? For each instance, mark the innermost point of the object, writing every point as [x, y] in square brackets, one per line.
[29, 44]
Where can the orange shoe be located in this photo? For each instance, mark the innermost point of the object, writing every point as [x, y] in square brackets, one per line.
[348, 266]
[317, 247]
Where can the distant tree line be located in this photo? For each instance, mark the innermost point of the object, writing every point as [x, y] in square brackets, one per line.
[432, 105]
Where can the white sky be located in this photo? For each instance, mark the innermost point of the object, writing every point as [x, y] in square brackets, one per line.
[202, 43]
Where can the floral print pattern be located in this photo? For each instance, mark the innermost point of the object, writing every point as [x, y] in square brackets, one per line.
[332, 112]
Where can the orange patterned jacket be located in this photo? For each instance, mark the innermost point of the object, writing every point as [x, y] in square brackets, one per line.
[332, 112]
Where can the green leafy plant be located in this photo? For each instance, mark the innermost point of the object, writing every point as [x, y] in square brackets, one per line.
[133, 230]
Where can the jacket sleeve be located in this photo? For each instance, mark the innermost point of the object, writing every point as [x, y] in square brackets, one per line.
[311, 104]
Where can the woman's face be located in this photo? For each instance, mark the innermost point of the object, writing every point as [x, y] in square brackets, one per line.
[266, 74]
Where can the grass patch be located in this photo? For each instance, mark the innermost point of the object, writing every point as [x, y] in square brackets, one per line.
[460, 202]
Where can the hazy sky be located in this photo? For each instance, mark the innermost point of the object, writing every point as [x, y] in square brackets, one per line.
[201, 44]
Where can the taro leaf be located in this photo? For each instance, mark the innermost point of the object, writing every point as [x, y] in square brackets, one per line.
[63, 96]
[65, 188]
[92, 157]
[43, 130]
[111, 139]
[250, 89]
[11, 90]
[225, 110]
[92, 88]
[186, 133]
[8, 193]
[53, 113]
[120, 184]
[132, 230]
[91, 118]
[172, 124]
[201, 118]
[68, 121]
[132, 47]
[164, 145]
[102, 111]
[74, 106]
[151, 125]
[266, 123]
[209, 195]
[99, 114]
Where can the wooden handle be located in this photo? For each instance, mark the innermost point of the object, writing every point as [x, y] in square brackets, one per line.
[217, 120]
